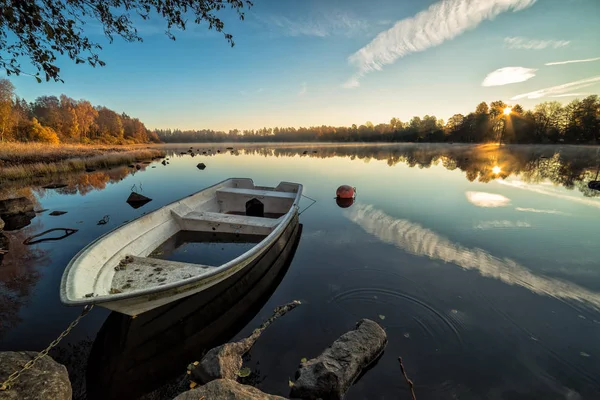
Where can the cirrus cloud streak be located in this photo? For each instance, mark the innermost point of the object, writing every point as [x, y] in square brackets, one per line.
[442, 21]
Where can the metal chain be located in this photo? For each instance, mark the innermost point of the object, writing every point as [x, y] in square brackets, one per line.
[15, 375]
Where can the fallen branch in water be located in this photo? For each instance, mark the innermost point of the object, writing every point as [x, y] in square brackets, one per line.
[410, 383]
[68, 232]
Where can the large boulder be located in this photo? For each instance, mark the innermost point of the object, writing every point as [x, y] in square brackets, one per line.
[47, 379]
[225, 389]
[331, 374]
[16, 206]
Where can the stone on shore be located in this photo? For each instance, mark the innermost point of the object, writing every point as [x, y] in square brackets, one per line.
[16, 206]
[331, 374]
[1, 224]
[47, 379]
[225, 389]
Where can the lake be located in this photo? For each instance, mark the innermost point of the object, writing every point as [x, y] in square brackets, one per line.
[481, 263]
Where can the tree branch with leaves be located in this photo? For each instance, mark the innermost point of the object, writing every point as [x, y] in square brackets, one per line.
[42, 30]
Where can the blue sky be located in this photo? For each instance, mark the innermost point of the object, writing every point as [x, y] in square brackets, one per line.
[307, 62]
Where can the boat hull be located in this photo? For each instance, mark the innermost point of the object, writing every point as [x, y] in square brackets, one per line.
[133, 356]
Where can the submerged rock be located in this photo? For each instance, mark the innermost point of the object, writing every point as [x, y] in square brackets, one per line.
[57, 213]
[225, 361]
[13, 222]
[332, 373]
[3, 250]
[16, 206]
[137, 200]
[227, 390]
[47, 379]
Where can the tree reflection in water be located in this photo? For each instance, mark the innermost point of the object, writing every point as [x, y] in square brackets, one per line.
[569, 166]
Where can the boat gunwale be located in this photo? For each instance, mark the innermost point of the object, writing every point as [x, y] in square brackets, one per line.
[265, 243]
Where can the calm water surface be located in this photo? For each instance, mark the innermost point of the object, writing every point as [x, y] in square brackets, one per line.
[488, 285]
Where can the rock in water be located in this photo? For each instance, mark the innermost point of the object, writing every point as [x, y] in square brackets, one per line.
[47, 379]
[16, 206]
[201, 166]
[331, 374]
[226, 389]
[225, 361]
[57, 213]
[137, 200]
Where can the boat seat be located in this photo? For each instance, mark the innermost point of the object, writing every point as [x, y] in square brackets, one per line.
[257, 193]
[219, 222]
[145, 272]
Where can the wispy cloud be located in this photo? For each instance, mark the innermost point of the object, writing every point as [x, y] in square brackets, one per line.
[539, 211]
[442, 21]
[508, 75]
[302, 91]
[252, 92]
[560, 89]
[330, 24]
[571, 94]
[523, 43]
[573, 61]
[541, 190]
[483, 199]
[503, 224]
[416, 239]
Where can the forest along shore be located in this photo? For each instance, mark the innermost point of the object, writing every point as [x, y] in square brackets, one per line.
[27, 160]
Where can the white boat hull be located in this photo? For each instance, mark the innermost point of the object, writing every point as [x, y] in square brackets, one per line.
[95, 275]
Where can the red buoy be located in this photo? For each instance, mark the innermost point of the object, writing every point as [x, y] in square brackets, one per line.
[345, 192]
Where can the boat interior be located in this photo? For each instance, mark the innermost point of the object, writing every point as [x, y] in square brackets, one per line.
[236, 212]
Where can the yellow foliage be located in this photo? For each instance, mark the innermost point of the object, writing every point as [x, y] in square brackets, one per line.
[44, 134]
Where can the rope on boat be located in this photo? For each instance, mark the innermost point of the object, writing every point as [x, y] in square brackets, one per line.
[12, 378]
[68, 232]
[311, 204]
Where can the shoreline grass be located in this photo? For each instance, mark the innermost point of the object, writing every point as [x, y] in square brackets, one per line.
[22, 161]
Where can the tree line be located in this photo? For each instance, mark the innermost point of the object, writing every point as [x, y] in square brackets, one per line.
[52, 119]
[548, 122]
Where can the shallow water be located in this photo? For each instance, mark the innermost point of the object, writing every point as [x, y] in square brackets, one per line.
[488, 284]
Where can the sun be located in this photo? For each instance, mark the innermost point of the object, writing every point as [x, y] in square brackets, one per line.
[496, 170]
[507, 111]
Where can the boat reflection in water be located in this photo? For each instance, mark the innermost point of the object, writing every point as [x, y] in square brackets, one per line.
[134, 356]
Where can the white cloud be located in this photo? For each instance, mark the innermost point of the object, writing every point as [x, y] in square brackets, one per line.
[504, 224]
[573, 61]
[415, 239]
[442, 21]
[522, 43]
[302, 91]
[558, 89]
[538, 211]
[483, 199]
[508, 75]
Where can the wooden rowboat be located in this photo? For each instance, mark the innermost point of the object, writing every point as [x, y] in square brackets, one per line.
[119, 270]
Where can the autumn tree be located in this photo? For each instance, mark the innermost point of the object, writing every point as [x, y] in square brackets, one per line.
[6, 97]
